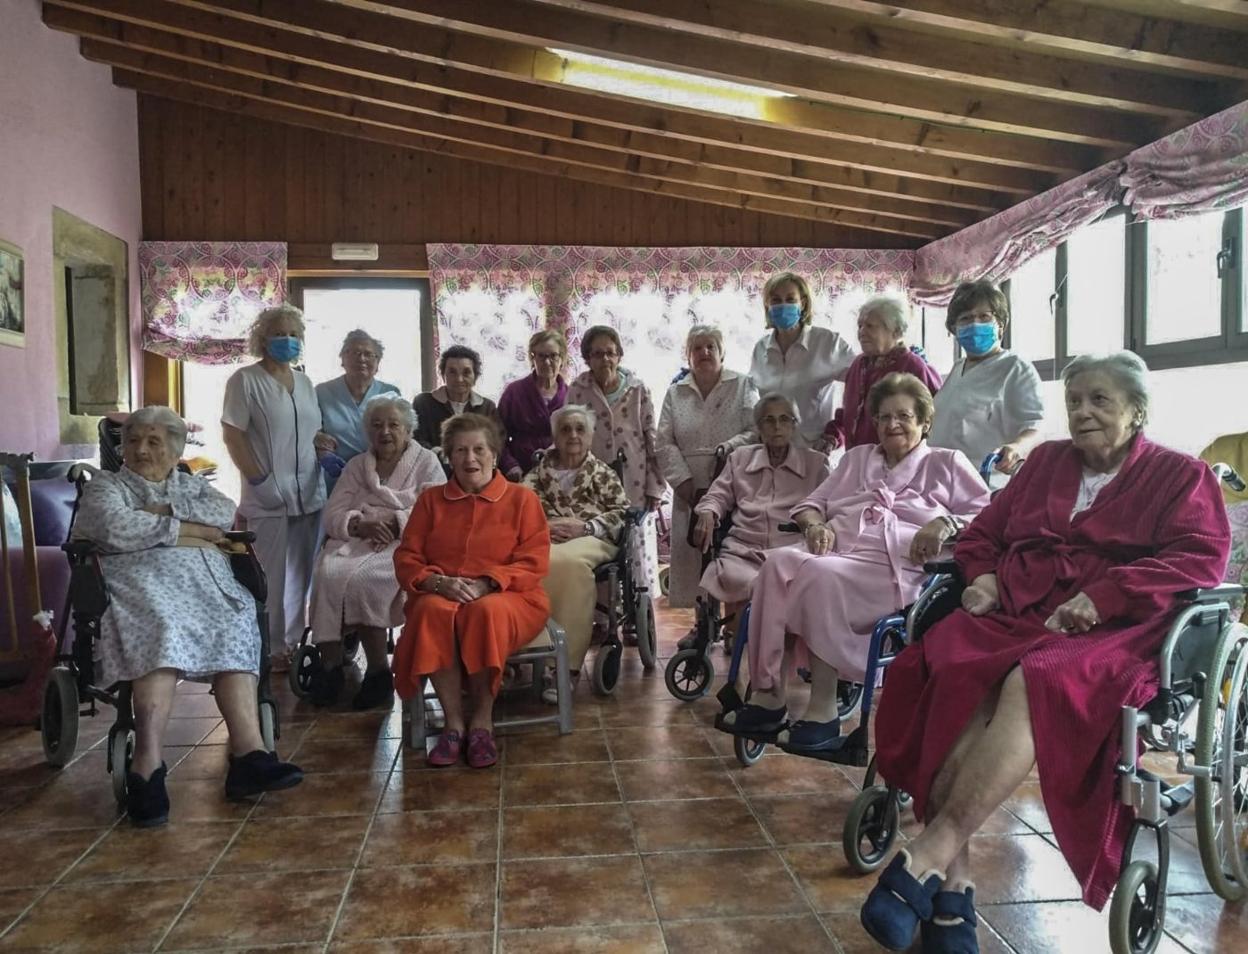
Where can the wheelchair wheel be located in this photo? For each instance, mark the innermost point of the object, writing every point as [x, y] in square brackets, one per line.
[871, 828]
[606, 669]
[647, 637]
[1222, 746]
[59, 721]
[747, 751]
[306, 660]
[665, 576]
[268, 725]
[1137, 912]
[120, 755]
[689, 675]
[848, 697]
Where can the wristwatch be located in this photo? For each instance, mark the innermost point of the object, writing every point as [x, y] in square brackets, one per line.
[589, 528]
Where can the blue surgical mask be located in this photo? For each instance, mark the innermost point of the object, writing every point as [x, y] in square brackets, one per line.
[284, 348]
[978, 338]
[785, 315]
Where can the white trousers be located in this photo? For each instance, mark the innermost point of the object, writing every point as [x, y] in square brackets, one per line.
[286, 548]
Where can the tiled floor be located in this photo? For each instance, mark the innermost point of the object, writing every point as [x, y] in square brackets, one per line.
[638, 832]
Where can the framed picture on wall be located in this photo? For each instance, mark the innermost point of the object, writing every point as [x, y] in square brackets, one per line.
[12, 311]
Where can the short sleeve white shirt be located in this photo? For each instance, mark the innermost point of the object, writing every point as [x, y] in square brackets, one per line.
[989, 404]
[807, 373]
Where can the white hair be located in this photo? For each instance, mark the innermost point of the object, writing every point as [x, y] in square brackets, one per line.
[704, 331]
[258, 334]
[360, 336]
[390, 400]
[775, 397]
[893, 310]
[1127, 369]
[591, 419]
[157, 415]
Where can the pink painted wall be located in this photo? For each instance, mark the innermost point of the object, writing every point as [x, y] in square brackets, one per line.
[68, 138]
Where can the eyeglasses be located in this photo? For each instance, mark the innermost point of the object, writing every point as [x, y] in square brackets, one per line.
[777, 420]
[603, 355]
[365, 355]
[545, 355]
[904, 417]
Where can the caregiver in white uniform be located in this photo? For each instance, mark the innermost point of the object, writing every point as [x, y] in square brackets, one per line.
[991, 400]
[271, 419]
[797, 359]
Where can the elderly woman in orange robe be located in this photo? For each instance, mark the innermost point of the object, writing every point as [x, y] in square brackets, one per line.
[471, 561]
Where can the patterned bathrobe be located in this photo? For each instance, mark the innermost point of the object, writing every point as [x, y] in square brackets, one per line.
[173, 607]
[597, 495]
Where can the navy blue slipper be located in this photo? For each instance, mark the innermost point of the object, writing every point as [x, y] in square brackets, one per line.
[897, 904]
[805, 736]
[754, 720]
[957, 938]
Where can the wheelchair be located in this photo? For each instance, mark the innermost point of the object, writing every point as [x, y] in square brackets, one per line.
[71, 691]
[306, 659]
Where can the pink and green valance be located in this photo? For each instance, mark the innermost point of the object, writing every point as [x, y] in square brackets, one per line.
[493, 297]
[199, 298]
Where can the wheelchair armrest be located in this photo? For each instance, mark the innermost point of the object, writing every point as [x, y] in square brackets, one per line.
[79, 550]
[635, 516]
[240, 536]
[942, 568]
[789, 527]
[1215, 594]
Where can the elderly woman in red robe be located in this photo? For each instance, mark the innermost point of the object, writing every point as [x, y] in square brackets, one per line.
[1073, 572]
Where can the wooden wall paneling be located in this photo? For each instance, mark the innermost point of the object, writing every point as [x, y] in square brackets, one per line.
[332, 149]
[213, 130]
[487, 201]
[151, 167]
[237, 193]
[255, 147]
[296, 183]
[171, 180]
[190, 145]
[314, 183]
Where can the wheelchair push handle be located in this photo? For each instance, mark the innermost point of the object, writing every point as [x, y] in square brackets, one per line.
[1229, 476]
[240, 536]
[990, 462]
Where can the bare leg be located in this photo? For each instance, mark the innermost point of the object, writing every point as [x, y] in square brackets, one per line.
[236, 698]
[373, 639]
[482, 700]
[331, 653]
[772, 698]
[822, 705]
[993, 767]
[449, 685]
[153, 701]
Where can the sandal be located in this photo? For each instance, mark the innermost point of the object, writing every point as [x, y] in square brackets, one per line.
[482, 752]
[806, 736]
[897, 904]
[952, 927]
[754, 720]
[446, 751]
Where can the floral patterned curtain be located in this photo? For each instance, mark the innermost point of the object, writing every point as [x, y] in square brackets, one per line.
[493, 297]
[200, 297]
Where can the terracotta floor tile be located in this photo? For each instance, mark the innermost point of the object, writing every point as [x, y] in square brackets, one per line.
[630, 939]
[203, 799]
[695, 824]
[1206, 924]
[424, 838]
[203, 761]
[259, 908]
[104, 917]
[1062, 926]
[721, 884]
[13, 901]
[357, 726]
[294, 844]
[651, 712]
[586, 745]
[827, 878]
[566, 831]
[1186, 874]
[1028, 805]
[559, 784]
[658, 742]
[796, 935]
[190, 731]
[447, 789]
[785, 775]
[190, 705]
[573, 892]
[354, 793]
[32, 857]
[806, 819]
[689, 778]
[177, 850]
[466, 944]
[1020, 868]
[346, 755]
[400, 902]
[65, 804]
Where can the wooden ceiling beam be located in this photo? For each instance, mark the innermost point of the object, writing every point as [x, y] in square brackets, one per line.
[861, 167]
[273, 111]
[846, 36]
[1072, 27]
[431, 121]
[1226, 14]
[528, 23]
[537, 65]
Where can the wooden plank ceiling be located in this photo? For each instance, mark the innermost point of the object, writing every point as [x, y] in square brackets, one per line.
[914, 117]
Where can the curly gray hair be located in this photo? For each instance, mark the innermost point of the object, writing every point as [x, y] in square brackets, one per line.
[775, 397]
[361, 337]
[259, 332]
[1128, 371]
[157, 415]
[893, 310]
[390, 400]
[568, 410]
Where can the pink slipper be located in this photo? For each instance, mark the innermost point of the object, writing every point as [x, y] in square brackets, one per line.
[482, 752]
[446, 752]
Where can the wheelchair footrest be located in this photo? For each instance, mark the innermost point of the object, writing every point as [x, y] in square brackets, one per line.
[1174, 798]
[729, 698]
[852, 752]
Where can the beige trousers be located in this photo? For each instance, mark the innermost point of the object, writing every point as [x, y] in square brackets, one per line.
[570, 586]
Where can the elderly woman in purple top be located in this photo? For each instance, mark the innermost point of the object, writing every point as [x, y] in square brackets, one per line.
[527, 404]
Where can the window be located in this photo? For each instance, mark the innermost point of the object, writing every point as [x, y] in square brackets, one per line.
[1183, 291]
[1093, 296]
[1032, 304]
[936, 340]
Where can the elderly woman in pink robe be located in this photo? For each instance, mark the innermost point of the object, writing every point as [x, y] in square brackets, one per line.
[868, 529]
[759, 486]
[354, 587]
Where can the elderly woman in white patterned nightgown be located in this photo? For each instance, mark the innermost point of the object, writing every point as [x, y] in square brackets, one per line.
[707, 408]
[176, 609]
